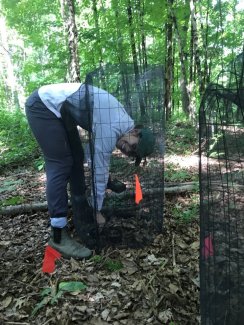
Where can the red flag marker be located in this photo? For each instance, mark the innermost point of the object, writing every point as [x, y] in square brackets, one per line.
[50, 257]
[207, 249]
[138, 191]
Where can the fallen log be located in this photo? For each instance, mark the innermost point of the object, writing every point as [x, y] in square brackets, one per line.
[42, 206]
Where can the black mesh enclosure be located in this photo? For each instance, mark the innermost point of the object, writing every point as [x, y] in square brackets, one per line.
[221, 198]
[130, 224]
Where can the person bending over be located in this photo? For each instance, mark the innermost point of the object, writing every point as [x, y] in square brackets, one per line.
[53, 113]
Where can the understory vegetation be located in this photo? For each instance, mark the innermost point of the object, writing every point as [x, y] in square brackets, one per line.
[17, 145]
[19, 148]
[174, 51]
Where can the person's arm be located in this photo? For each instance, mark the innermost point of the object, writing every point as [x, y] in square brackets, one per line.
[104, 145]
[101, 174]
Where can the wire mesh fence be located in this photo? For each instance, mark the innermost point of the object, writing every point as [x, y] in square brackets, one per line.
[141, 94]
[221, 198]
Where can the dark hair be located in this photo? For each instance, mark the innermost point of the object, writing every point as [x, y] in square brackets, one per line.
[145, 145]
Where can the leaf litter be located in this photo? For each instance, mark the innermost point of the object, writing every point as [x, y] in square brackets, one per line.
[157, 284]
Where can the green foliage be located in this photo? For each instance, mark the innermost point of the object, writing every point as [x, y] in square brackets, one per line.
[39, 164]
[14, 200]
[44, 57]
[71, 286]
[10, 187]
[109, 264]
[188, 211]
[181, 137]
[40, 54]
[17, 145]
[113, 265]
[96, 258]
[52, 294]
[224, 144]
[173, 173]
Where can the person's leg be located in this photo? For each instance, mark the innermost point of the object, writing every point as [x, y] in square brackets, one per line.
[52, 139]
[51, 136]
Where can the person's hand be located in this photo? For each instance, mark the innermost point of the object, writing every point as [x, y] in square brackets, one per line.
[115, 185]
[100, 219]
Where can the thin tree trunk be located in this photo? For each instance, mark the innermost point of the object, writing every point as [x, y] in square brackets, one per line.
[206, 67]
[134, 57]
[141, 9]
[68, 15]
[192, 62]
[121, 57]
[98, 35]
[184, 83]
[120, 48]
[195, 46]
[174, 84]
[169, 65]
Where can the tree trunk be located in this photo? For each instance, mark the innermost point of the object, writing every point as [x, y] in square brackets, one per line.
[195, 46]
[185, 94]
[206, 67]
[174, 84]
[134, 57]
[192, 62]
[120, 49]
[121, 57]
[68, 15]
[169, 65]
[98, 35]
[142, 32]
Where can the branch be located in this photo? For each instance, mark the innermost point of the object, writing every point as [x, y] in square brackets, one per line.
[42, 206]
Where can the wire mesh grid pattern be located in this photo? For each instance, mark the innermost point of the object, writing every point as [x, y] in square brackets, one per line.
[140, 100]
[221, 198]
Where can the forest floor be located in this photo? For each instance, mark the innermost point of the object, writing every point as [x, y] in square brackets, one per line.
[157, 284]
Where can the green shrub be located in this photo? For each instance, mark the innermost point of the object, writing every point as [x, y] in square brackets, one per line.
[109, 264]
[181, 137]
[17, 144]
[187, 211]
[174, 173]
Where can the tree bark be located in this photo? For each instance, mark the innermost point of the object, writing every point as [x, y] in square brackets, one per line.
[206, 66]
[195, 46]
[68, 15]
[98, 35]
[121, 58]
[184, 82]
[142, 32]
[134, 57]
[169, 65]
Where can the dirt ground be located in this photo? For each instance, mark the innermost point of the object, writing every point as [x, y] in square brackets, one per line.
[157, 284]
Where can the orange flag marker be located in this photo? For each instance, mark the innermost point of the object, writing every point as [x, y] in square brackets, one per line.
[50, 256]
[138, 191]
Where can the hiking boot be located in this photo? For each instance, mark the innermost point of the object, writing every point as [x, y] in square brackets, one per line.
[66, 245]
